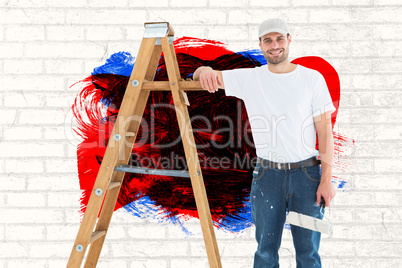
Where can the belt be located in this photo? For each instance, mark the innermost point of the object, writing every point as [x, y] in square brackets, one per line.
[306, 163]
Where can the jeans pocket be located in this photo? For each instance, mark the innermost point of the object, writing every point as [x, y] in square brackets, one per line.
[313, 173]
[257, 172]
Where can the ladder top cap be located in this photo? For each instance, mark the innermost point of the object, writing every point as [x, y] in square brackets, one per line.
[160, 25]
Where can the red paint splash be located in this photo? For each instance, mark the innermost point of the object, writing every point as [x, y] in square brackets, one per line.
[96, 108]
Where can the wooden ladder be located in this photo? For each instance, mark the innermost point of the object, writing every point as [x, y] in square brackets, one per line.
[158, 37]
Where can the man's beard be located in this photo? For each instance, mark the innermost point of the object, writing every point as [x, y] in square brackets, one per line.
[284, 56]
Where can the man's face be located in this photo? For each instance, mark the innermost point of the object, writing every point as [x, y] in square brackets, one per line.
[275, 47]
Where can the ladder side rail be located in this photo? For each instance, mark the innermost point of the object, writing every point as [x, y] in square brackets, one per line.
[112, 195]
[190, 149]
[111, 156]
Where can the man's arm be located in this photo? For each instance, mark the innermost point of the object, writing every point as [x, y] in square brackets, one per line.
[210, 79]
[326, 148]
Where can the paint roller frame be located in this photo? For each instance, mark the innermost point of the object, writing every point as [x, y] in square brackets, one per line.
[309, 222]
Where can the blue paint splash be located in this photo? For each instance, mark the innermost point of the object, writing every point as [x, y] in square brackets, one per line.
[254, 55]
[121, 63]
[145, 208]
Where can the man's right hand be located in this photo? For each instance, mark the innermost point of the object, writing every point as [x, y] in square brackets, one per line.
[210, 79]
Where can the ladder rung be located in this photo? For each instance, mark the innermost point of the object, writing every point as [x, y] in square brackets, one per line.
[113, 184]
[151, 171]
[96, 235]
[165, 85]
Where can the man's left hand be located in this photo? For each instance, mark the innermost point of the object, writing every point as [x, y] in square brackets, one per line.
[326, 190]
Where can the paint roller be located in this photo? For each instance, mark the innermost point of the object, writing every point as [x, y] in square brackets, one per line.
[309, 222]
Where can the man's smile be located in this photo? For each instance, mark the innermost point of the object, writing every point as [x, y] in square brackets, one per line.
[275, 52]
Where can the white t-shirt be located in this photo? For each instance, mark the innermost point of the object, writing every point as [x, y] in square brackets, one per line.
[281, 108]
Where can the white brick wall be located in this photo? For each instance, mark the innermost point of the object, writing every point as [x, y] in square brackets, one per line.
[47, 45]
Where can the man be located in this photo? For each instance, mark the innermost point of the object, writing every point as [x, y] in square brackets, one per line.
[286, 104]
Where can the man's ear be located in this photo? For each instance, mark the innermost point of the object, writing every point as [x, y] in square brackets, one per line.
[289, 39]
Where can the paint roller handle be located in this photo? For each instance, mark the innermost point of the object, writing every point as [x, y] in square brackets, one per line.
[322, 203]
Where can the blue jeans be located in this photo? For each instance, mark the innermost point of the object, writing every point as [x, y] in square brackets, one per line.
[273, 191]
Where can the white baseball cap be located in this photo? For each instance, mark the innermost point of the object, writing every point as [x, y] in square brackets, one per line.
[273, 25]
